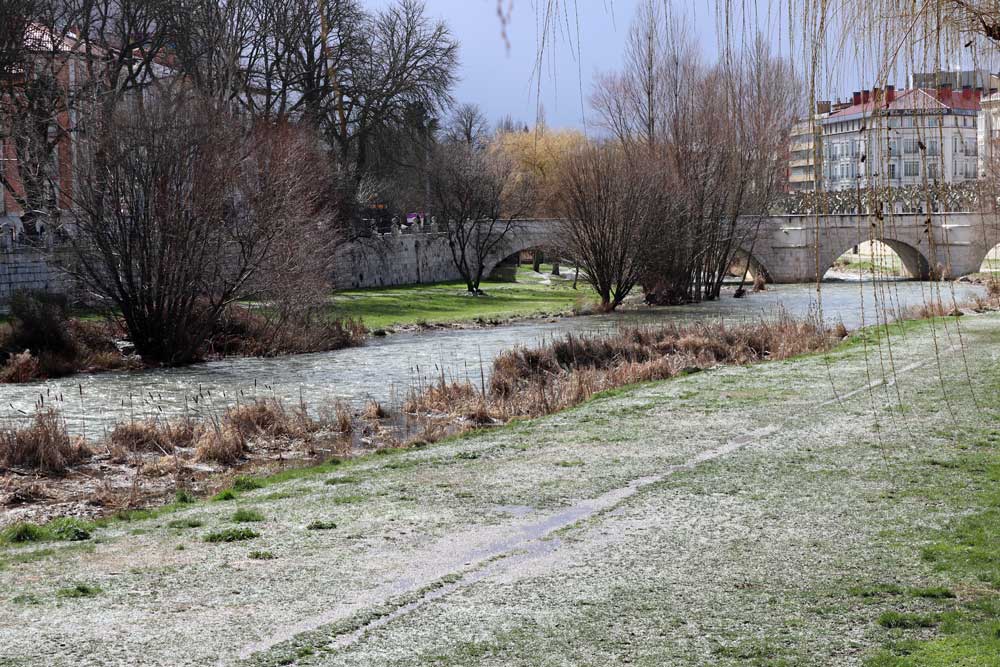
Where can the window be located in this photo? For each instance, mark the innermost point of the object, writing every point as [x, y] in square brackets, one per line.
[909, 146]
[893, 148]
[911, 168]
[933, 148]
[907, 121]
[932, 170]
[932, 122]
[892, 171]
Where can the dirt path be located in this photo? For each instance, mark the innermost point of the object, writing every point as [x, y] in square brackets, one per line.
[719, 518]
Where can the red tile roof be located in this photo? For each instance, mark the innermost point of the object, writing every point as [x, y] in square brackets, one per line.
[924, 99]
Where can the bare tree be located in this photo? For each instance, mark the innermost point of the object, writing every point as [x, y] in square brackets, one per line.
[478, 198]
[609, 206]
[187, 211]
[36, 96]
[719, 133]
[467, 125]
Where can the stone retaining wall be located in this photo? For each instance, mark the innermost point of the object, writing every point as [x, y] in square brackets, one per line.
[23, 268]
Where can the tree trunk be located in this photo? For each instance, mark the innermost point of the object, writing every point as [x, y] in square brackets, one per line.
[537, 258]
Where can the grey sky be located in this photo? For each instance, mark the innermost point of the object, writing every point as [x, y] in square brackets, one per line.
[500, 81]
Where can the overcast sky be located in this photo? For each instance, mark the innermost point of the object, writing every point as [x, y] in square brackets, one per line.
[501, 81]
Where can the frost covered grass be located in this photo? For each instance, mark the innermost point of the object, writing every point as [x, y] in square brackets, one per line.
[778, 530]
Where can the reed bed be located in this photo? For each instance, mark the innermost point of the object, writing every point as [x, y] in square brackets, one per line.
[534, 381]
[44, 445]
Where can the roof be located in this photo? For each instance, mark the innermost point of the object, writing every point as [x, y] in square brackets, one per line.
[915, 99]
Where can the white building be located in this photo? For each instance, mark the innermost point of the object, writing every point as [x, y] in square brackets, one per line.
[989, 136]
[900, 138]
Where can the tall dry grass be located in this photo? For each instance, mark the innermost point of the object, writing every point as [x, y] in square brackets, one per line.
[534, 381]
[163, 437]
[45, 445]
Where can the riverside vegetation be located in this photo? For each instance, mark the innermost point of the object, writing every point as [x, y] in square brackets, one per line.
[138, 463]
[43, 339]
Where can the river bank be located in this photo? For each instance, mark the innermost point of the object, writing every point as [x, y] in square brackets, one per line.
[770, 514]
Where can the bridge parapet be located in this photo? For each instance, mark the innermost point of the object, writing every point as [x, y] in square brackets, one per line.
[944, 197]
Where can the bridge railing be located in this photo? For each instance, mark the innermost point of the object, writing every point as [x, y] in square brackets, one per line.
[944, 198]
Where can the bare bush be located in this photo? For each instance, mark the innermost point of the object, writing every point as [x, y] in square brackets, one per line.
[221, 443]
[45, 445]
[610, 205]
[20, 367]
[533, 381]
[139, 437]
[185, 210]
[269, 417]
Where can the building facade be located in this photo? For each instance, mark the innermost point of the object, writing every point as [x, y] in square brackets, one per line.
[902, 138]
[989, 136]
[805, 151]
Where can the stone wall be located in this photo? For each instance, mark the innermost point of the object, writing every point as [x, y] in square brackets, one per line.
[386, 260]
[417, 256]
[24, 268]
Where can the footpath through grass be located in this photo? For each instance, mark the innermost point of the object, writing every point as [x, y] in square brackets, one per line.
[444, 303]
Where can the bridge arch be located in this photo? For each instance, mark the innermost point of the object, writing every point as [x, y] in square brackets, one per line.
[741, 259]
[914, 263]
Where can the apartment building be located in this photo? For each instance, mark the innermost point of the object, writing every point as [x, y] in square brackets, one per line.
[900, 138]
[805, 151]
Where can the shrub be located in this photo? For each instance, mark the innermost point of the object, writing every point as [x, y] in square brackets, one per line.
[247, 483]
[269, 417]
[133, 437]
[78, 591]
[241, 331]
[227, 494]
[247, 516]
[182, 497]
[45, 445]
[895, 619]
[22, 533]
[261, 555]
[321, 525]
[231, 535]
[40, 323]
[20, 367]
[68, 529]
[374, 411]
[186, 523]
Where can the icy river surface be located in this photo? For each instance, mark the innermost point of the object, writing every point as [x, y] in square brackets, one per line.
[384, 369]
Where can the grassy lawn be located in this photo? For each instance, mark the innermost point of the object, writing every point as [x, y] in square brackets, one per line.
[532, 294]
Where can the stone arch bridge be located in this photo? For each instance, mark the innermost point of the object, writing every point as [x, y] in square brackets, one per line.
[788, 248]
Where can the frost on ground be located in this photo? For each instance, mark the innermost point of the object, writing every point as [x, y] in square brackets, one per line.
[721, 518]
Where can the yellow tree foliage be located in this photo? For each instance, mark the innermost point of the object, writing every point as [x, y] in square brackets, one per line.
[537, 155]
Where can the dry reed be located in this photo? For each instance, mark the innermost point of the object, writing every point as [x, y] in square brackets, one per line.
[45, 445]
[533, 381]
